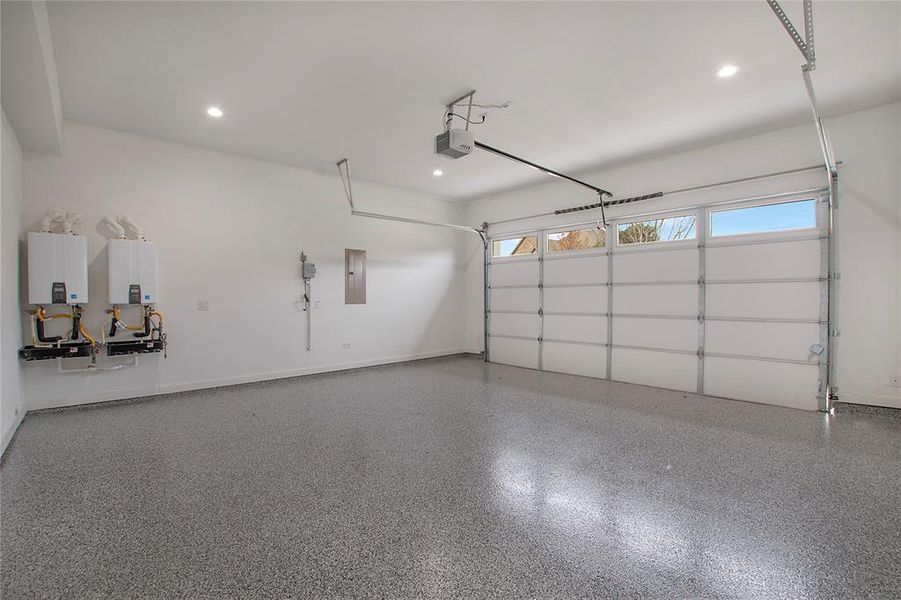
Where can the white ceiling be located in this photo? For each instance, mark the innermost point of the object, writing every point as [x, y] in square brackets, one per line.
[591, 84]
[29, 79]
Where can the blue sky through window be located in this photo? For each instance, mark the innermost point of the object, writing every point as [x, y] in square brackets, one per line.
[508, 246]
[760, 219]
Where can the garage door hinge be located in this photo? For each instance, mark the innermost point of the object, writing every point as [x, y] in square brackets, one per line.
[540, 312]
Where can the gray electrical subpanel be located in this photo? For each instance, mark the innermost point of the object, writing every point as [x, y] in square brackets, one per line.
[354, 276]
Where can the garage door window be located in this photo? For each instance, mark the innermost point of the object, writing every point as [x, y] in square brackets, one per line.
[576, 239]
[515, 246]
[767, 218]
[666, 229]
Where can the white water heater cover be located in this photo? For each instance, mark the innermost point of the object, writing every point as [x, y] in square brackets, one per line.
[133, 274]
[57, 268]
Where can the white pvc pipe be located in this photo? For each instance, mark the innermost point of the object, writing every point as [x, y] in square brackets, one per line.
[116, 367]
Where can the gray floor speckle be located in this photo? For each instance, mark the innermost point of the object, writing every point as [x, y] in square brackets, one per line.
[450, 477]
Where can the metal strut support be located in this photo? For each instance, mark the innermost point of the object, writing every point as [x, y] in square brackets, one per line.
[799, 41]
[810, 54]
[486, 280]
[808, 50]
[806, 46]
[344, 173]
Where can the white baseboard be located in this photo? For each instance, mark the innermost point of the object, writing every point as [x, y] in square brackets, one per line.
[11, 432]
[95, 397]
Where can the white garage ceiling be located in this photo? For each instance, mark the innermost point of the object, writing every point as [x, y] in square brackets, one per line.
[591, 84]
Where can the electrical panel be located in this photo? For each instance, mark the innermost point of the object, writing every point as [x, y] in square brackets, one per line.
[354, 276]
[133, 276]
[57, 268]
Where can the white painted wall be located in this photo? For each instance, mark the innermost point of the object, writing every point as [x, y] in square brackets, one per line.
[11, 388]
[869, 220]
[230, 231]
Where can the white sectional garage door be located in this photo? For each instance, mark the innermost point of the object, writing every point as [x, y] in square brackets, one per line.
[514, 324]
[734, 305]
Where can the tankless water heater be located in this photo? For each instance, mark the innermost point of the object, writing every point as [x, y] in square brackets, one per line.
[57, 268]
[133, 277]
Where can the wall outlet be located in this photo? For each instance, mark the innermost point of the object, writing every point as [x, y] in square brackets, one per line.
[346, 345]
[203, 305]
[895, 381]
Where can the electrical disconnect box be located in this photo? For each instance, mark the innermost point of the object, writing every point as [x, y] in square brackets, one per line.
[133, 275]
[308, 270]
[57, 268]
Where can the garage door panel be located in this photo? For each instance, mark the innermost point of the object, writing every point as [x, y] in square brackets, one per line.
[519, 353]
[660, 369]
[669, 265]
[764, 300]
[576, 299]
[515, 324]
[583, 269]
[768, 382]
[516, 272]
[674, 300]
[575, 359]
[771, 340]
[668, 334]
[786, 260]
[515, 299]
[656, 285]
[575, 329]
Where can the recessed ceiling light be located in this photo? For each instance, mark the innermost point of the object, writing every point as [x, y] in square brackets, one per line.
[727, 71]
[214, 111]
[437, 172]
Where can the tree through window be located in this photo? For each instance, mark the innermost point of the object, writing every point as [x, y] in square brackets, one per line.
[576, 239]
[667, 229]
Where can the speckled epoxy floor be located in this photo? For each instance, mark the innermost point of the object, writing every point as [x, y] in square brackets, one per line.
[449, 477]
